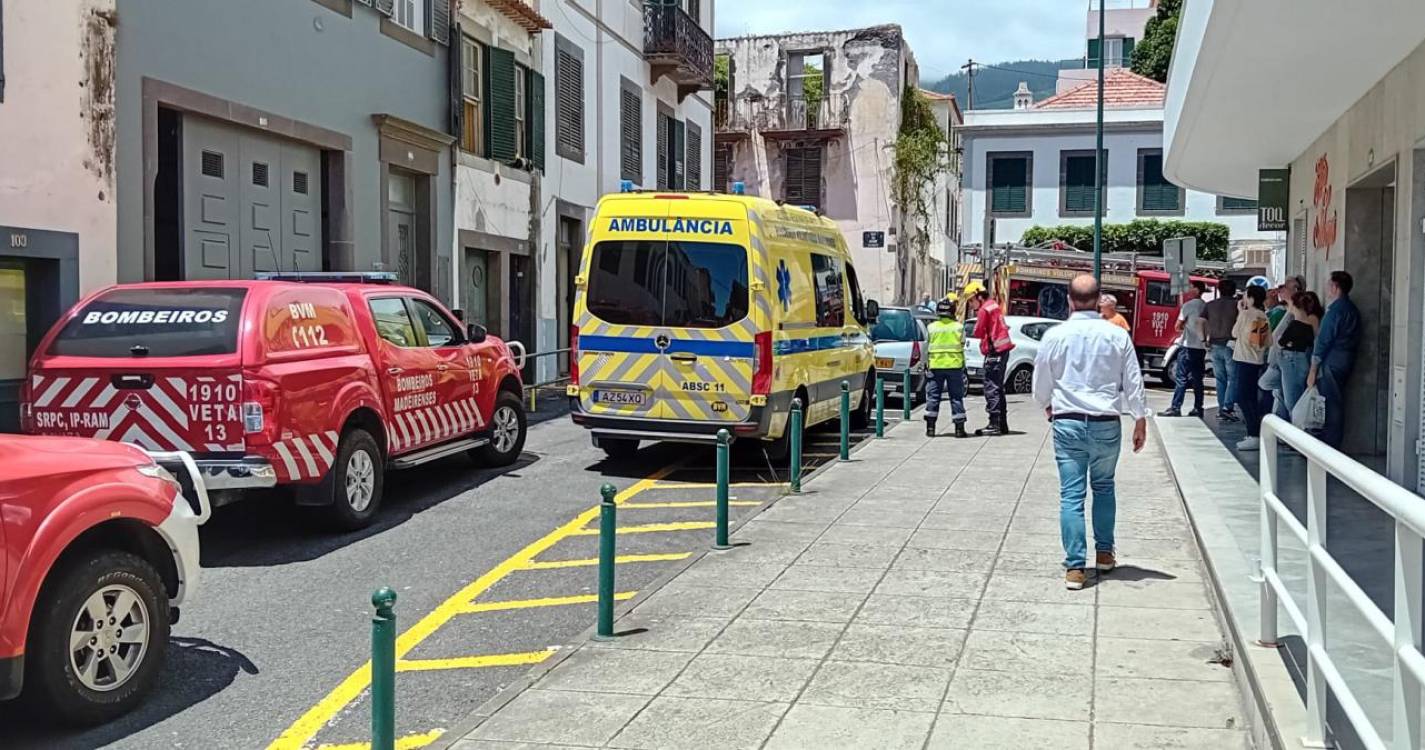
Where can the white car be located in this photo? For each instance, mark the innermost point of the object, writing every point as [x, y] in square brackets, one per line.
[900, 337]
[1025, 332]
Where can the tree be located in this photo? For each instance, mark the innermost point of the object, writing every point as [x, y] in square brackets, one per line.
[1153, 55]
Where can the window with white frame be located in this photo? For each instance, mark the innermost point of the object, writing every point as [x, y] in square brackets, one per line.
[521, 149]
[472, 89]
[408, 14]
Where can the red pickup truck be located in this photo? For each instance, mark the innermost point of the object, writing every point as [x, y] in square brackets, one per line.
[315, 381]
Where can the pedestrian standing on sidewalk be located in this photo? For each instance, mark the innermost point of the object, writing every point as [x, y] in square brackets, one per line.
[947, 369]
[1192, 353]
[995, 345]
[1219, 316]
[1334, 354]
[1297, 339]
[1253, 334]
[1274, 374]
[1085, 370]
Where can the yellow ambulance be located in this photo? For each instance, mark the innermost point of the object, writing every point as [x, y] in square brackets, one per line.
[696, 312]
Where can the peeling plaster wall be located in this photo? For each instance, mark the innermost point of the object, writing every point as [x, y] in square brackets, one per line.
[57, 127]
[869, 68]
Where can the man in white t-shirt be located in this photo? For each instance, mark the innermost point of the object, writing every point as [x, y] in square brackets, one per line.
[1192, 352]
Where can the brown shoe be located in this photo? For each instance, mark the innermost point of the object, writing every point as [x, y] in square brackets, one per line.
[1105, 562]
[1075, 578]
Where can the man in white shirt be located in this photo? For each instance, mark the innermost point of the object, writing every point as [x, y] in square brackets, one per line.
[1086, 369]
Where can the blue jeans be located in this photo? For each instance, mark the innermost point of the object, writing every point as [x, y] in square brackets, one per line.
[1087, 454]
[1222, 372]
[1294, 367]
[947, 383]
[1190, 364]
[1329, 381]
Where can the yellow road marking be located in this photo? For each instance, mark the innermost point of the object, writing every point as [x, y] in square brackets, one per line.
[692, 504]
[409, 742]
[553, 601]
[301, 732]
[653, 528]
[620, 560]
[474, 662]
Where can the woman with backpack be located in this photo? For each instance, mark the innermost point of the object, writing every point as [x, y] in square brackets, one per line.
[1253, 334]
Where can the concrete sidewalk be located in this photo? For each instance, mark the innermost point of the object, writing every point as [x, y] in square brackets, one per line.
[911, 598]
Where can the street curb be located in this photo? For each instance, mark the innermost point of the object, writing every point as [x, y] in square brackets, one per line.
[487, 709]
[1249, 661]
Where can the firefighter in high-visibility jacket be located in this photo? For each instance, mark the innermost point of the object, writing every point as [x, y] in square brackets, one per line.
[947, 369]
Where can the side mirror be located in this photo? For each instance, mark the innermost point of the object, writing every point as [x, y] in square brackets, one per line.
[476, 333]
[873, 311]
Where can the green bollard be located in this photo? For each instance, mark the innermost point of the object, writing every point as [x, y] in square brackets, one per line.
[796, 428]
[880, 408]
[845, 421]
[723, 437]
[608, 527]
[383, 670]
[905, 394]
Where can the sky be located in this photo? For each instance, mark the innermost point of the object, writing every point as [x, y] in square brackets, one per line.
[943, 34]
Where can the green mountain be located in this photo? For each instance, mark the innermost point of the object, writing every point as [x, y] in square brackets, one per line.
[995, 83]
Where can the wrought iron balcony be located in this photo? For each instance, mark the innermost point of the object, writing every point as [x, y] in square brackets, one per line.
[827, 116]
[676, 46]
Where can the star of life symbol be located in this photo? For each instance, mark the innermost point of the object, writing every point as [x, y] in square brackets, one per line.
[784, 285]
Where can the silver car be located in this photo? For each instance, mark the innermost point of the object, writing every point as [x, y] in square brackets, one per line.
[900, 338]
[1025, 332]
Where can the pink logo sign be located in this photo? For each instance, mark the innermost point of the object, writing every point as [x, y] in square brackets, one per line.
[1323, 230]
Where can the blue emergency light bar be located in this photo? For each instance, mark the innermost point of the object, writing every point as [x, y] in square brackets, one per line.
[625, 186]
[331, 277]
[739, 188]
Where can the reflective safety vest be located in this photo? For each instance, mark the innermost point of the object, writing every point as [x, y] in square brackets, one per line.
[947, 345]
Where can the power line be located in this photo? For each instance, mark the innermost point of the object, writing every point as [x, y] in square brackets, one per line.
[1021, 72]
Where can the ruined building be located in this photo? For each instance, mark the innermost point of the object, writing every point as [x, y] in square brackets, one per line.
[812, 119]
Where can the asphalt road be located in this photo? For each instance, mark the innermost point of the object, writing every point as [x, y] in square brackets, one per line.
[283, 615]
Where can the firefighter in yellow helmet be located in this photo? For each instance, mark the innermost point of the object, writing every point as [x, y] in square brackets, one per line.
[946, 377]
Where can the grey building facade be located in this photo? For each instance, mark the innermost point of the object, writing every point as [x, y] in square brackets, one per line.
[283, 135]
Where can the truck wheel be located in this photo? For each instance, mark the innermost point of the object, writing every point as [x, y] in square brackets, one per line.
[618, 449]
[507, 432]
[353, 486]
[98, 637]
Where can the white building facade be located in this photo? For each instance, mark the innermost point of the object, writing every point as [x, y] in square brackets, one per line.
[1033, 166]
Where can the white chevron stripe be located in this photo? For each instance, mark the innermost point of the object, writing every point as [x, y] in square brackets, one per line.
[50, 393]
[75, 396]
[427, 432]
[287, 461]
[105, 396]
[457, 423]
[437, 418]
[306, 454]
[400, 436]
[472, 406]
[163, 400]
[467, 422]
[320, 444]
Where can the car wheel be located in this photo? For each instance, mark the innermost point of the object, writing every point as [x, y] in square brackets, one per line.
[1166, 375]
[778, 449]
[861, 415]
[99, 637]
[355, 482]
[1022, 379]
[618, 448]
[508, 425]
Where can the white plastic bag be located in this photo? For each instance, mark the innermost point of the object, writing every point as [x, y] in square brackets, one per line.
[1310, 411]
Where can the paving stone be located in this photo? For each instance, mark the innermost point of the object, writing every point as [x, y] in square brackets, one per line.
[779, 551]
[1038, 617]
[870, 685]
[1008, 651]
[1181, 548]
[980, 541]
[888, 536]
[943, 517]
[898, 644]
[609, 670]
[1140, 737]
[1025, 695]
[970, 732]
[847, 555]
[916, 611]
[1164, 660]
[896, 503]
[798, 640]
[1154, 568]
[670, 723]
[1116, 592]
[825, 578]
[716, 570]
[1029, 587]
[958, 560]
[865, 516]
[708, 601]
[807, 726]
[761, 529]
[736, 677]
[671, 633]
[1176, 703]
[561, 717]
[820, 606]
[1164, 624]
[913, 582]
[492, 745]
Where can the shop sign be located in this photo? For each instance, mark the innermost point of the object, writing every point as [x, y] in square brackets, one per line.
[1273, 186]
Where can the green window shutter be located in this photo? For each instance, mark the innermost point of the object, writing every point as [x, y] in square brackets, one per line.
[501, 89]
[1078, 184]
[534, 96]
[660, 145]
[678, 174]
[1009, 185]
[1093, 53]
[1158, 193]
[438, 13]
[1127, 52]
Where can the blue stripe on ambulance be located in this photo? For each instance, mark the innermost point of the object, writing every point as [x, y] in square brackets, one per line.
[816, 344]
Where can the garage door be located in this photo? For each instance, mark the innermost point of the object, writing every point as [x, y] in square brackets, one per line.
[251, 202]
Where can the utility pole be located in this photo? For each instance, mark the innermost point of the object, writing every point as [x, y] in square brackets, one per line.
[1098, 160]
[969, 68]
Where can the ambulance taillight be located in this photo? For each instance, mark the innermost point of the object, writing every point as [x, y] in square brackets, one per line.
[259, 411]
[762, 364]
[574, 356]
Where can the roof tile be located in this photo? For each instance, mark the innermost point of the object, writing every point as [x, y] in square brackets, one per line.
[1123, 89]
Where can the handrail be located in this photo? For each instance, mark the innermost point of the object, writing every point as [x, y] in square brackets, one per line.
[533, 388]
[1403, 632]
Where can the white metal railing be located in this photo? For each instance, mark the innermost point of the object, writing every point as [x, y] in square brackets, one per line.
[1403, 633]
